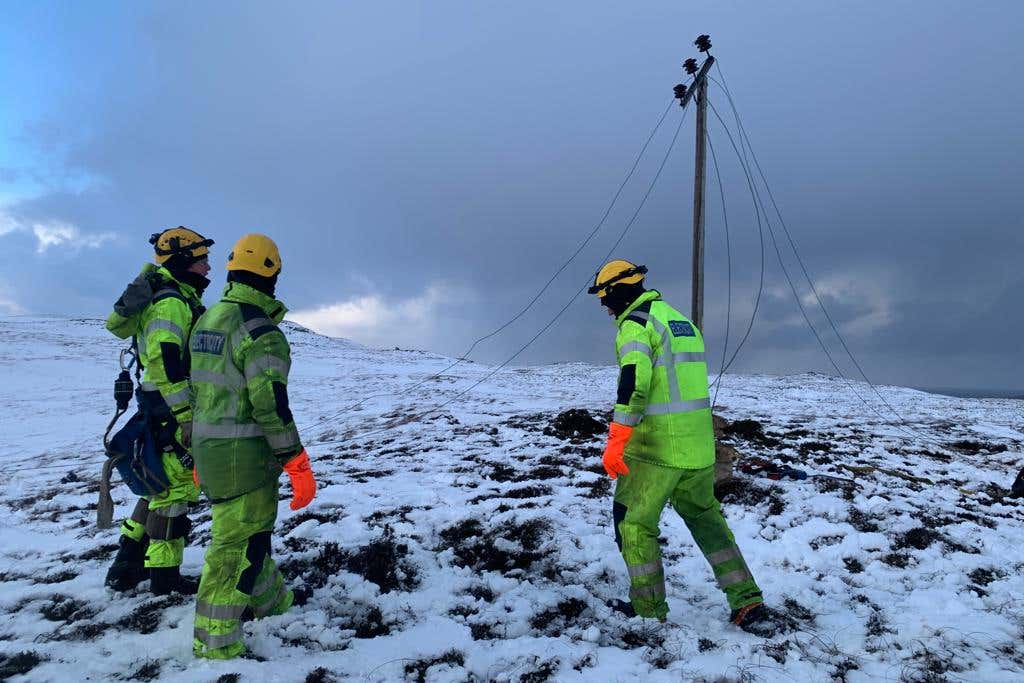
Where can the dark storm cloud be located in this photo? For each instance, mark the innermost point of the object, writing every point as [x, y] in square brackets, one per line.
[426, 167]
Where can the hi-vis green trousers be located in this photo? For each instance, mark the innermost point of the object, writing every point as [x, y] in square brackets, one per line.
[240, 581]
[640, 496]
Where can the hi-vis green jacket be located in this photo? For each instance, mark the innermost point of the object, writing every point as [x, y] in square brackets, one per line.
[663, 386]
[243, 430]
[162, 339]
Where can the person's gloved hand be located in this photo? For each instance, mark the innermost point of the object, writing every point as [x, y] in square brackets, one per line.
[303, 484]
[618, 437]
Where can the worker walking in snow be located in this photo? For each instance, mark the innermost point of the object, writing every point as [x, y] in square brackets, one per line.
[661, 447]
[158, 311]
[243, 436]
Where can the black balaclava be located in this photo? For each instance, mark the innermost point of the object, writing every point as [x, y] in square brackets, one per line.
[195, 280]
[178, 265]
[619, 297]
[260, 283]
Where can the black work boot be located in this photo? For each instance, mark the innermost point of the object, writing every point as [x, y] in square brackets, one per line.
[167, 580]
[758, 620]
[127, 571]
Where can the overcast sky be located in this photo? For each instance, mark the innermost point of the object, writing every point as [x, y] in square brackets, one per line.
[425, 167]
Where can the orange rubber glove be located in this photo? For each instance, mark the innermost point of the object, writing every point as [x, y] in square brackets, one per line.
[618, 437]
[195, 475]
[303, 483]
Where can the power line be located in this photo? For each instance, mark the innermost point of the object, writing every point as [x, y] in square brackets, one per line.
[796, 295]
[551, 322]
[800, 261]
[529, 305]
[760, 286]
[728, 268]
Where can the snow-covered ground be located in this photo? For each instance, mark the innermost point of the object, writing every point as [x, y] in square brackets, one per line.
[475, 543]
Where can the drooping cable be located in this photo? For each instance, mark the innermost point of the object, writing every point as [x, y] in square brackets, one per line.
[760, 286]
[728, 270]
[537, 296]
[586, 285]
[796, 295]
[796, 252]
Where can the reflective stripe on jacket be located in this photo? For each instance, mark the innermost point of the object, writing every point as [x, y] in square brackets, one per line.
[663, 386]
[243, 430]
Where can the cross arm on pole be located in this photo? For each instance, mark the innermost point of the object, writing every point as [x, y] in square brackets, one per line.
[698, 81]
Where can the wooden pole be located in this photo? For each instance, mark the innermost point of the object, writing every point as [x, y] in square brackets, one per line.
[697, 303]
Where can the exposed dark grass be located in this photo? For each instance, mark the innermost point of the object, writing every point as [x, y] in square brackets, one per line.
[555, 619]
[477, 548]
[67, 609]
[898, 560]
[745, 492]
[983, 576]
[383, 562]
[541, 672]
[100, 552]
[705, 645]
[59, 577]
[576, 425]
[918, 538]
[862, 521]
[846, 488]
[853, 565]
[417, 670]
[18, 664]
[320, 675]
[149, 671]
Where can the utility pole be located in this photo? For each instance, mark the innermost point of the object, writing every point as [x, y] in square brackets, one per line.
[697, 290]
[699, 90]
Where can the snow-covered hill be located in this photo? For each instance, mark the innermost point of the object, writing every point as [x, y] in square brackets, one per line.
[475, 543]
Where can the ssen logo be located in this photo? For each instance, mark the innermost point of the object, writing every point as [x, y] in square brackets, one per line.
[681, 328]
[205, 341]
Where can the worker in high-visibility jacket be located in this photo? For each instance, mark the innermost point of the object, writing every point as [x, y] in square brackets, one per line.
[661, 448]
[243, 437]
[153, 537]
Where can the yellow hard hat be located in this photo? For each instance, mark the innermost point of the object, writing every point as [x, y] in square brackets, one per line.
[257, 254]
[179, 241]
[616, 272]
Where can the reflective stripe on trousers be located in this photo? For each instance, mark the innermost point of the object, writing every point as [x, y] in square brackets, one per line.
[732, 578]
[215, 642]
[655, 590]
[720, 557]
[647, 569]
[205, 609]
